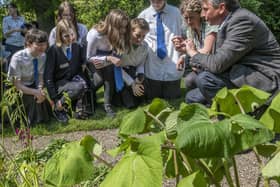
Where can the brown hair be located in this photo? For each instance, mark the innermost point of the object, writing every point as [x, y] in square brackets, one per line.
[190, 6]
[67, 5]
[35, 36]
[139, 23]
[111, 28]
[64, 25]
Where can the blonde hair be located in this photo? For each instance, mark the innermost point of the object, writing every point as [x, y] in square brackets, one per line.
[190, 6]
[62, 26]
[139, 23]
[111, 28]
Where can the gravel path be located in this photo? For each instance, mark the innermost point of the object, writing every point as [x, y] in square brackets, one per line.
[247, 163]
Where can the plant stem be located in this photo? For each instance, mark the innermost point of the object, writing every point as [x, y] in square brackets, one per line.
[235, 172]
[154, 118]
[168, 147]
[239, 104]
[186, 163]
[16, 165]
[266, 181]
[102, 160]
[207, 170]
[227, 173]
[176, 167]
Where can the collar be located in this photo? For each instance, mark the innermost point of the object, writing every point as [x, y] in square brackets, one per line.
[225, 21]
[64, 47]
[164, 10]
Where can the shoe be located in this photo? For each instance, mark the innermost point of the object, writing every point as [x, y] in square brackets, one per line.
[61, 116]
[109, 111]
[81, 115]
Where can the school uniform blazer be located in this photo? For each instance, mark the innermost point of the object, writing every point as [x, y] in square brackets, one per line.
[245, 49]
[59, 70]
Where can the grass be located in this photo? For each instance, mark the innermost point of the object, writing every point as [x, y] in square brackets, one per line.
[98, 120]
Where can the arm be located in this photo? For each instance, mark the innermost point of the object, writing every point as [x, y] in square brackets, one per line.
[8, 31]
[208, 42]
[37, 93]
[49, 73]
[237, 42]
[52, 36]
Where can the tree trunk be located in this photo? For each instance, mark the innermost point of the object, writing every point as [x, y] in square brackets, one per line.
[44, 11]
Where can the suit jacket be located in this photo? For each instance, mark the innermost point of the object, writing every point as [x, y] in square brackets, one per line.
[59, 70]
[246, 50]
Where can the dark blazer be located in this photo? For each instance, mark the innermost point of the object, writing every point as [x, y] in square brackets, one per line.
[246, 50]
[59, 70]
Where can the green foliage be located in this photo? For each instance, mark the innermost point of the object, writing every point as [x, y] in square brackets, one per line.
[271, 117]
[194, 180]
[91, 12]
[268, 10]
[72, 164]
[235, 98]
[218, 139]
[137, 118]
[140, 166]
[271, 170]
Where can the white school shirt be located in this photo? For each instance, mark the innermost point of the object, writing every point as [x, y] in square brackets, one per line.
[156, 68]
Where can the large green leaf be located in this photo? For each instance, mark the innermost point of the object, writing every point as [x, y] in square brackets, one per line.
[141, 166]
[249, 98]
[200, 137]
[171, 125]
[159, 109]
[271, 117]
[194, 180]
[271, 170]
[72, 164]
[133, 122]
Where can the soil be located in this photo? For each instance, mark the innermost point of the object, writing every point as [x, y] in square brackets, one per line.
[247, 164]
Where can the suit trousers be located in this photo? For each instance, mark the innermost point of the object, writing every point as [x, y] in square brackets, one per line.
[208, 84]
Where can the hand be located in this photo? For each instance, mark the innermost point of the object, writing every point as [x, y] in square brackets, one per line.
[178, 42]
[58, 105]
[180, 63]
[40, 96]
[138, 89]
[190, 48]
[140, 78]
[115, 60]
[98, 64]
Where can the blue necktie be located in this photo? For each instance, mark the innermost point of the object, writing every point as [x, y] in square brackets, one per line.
[35, 71]
[118, 76]
[68, 53]
[161, 48]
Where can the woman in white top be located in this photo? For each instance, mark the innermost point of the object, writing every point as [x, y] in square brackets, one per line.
[67, 11]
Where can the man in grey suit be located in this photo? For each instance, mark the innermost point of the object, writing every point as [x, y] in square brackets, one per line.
[246, 53]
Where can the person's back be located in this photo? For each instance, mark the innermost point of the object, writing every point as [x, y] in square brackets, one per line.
[255, 50]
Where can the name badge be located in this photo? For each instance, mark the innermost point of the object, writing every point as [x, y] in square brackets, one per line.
[65, 65]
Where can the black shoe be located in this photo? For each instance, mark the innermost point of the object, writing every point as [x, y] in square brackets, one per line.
[81, 115]
[61, 116]
[109, 111]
